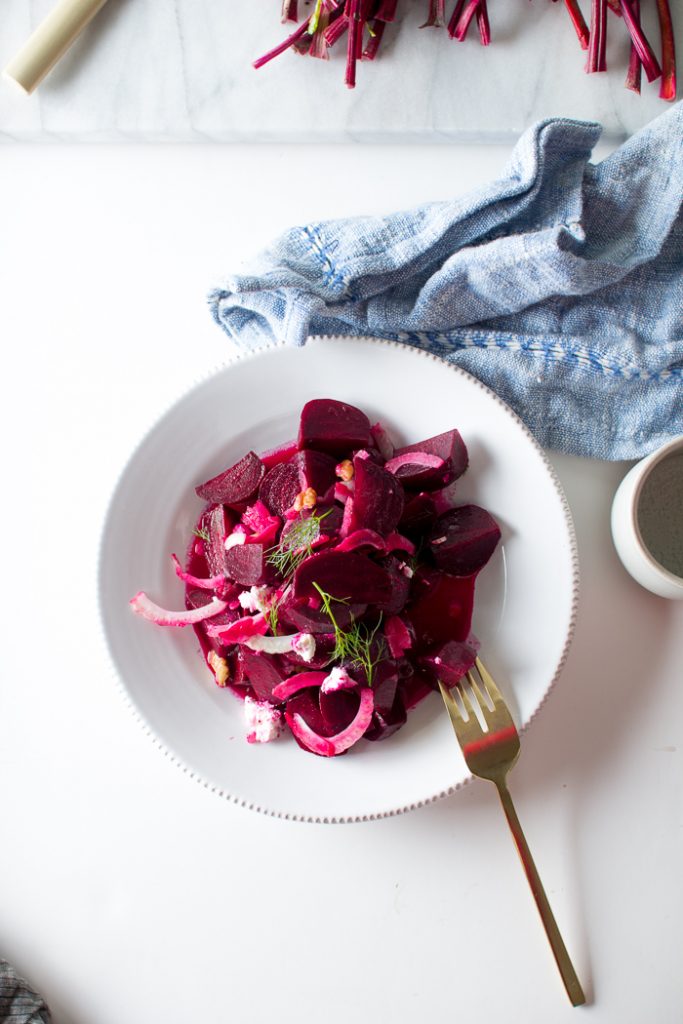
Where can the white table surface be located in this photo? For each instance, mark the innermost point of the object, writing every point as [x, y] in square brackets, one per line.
[129, 893]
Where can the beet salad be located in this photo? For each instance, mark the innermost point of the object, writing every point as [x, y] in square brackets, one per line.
[331, 580]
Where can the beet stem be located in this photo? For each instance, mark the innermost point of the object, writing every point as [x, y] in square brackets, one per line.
[667, 89]
[596, 46]
[578, 22]
[284, 45]
[455, 18]
[633, 77]
[370, 51]
[483, 23]
[643, 48]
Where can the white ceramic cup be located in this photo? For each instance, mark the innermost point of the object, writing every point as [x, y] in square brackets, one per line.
[647, 520]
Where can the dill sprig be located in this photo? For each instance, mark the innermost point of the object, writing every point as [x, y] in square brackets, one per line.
[273, 617]
[202, 534]
[355, 644]
[296, 545]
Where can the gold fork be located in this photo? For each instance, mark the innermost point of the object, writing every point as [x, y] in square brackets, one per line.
[490, 753]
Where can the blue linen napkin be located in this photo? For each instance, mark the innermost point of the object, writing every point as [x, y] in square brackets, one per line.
[560, 286]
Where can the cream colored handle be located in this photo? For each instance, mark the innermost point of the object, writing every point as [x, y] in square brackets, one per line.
[50, 41]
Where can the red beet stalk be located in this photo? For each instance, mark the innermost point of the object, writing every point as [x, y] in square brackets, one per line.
[355, 40]
[462, 18]
[289, 10]
[437, 14]
[643, 49]
[598, 33]
[667, 89]
[578, 22]
[284, 45]
[634, 66]
[370, 51]
[386, 10]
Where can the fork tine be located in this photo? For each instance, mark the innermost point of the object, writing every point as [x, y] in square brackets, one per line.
[483, 703]
[450, 701]
[465, 728]
[465, 697]
[487, 679]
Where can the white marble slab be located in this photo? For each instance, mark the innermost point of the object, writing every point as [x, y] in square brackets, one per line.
[153, 70]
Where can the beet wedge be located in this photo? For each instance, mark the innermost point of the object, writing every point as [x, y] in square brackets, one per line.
[449, 447]
[462, 540]
[442, 609]
[279, 488]
[377, 498]
[346, 576]
[235, 485]
[334, 427]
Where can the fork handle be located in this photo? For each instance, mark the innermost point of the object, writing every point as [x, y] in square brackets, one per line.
[571, 981]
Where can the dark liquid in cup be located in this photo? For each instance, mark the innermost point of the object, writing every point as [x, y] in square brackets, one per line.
[660, 513]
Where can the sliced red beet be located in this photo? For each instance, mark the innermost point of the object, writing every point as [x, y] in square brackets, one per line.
[377, 497]
[463, 540]
[334, 427]
[399, 587]
[415, 688]
[276, 456]
[442, 608]
[451, 661]
[246, 564]
[386, 721]
[315, 620]
[338, 708]
[306, 703]
[448, 446]
[384, 685]
[419, 513]
[236, 484]
[279, 488]
[315, 469]
[345, 576]
[262, 673]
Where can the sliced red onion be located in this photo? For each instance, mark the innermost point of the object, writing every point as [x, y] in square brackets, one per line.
[240, 631]
[302, 644]
[362, 538]
[397, 636]
[347, 519]
[423, 460]
[397, 542]
[342, 490]
[379, 433]
[209, 583]
[142, 605]
[294, 684]
[331, 746]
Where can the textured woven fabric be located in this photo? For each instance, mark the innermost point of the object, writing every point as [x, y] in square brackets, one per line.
[560, 285]
[19, 1004]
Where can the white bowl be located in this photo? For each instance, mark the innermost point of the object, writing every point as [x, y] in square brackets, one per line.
[525, 602]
